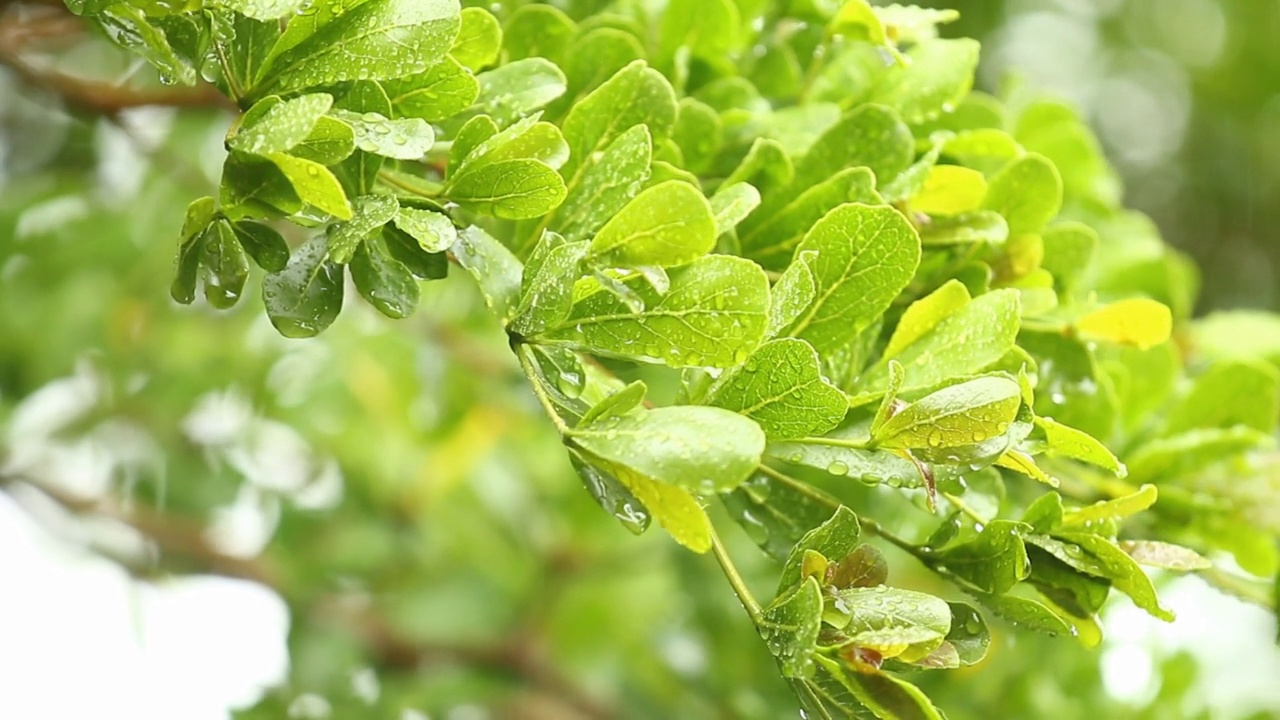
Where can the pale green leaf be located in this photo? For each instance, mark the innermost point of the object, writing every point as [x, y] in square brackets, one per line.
[371, 212]
[666, 225]
[963, 342]
[281, 126]
[401, 139]
[1079, 445]
[781, 388]
[434, 231]
[732, 203]
[864, 257]
[937, 74]
[955, 416]
[1153, 553]
[314, 184]
[790, 628]
[517, 89]
[479, 39]
[1027, 193]
[438, 94]
[635, 95]
[606, 185]
[702, 449]
[496, 270]
[509, 189]
[375, 40]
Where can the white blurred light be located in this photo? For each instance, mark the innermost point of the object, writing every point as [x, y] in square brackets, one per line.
[84, 639]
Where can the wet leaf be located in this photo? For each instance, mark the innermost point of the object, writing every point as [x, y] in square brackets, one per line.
[780, 386]
[306, 297]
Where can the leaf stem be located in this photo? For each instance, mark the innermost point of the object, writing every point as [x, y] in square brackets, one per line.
[835, 442]
[525, 354]
[233, 87]
[964, 508]
[735, 579]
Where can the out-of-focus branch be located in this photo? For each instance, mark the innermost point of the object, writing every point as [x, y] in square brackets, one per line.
[174, 535]
[19, 29]
[518, 657]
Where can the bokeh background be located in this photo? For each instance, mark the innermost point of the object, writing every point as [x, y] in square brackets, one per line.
[199, 519]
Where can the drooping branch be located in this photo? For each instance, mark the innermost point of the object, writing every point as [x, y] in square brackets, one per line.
[21, 27]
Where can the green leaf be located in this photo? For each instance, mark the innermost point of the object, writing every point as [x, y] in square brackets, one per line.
[331, 141]
[1238, 335]
[1228, 394]
[128, 26]
[1069, 248]
[892, 621]
[866, 566]
[969, 634]
[732, 203]
[383, 281]
[1069, 442]
[508, 189]
[673, 445]
[790, 628]
[708, 28]
[635, 95]
[434, 231]
[937, 75]
[254, 187]
[598, 54]
[775, 515]
[1072, 587]
[249, 50]
[713, 315]
[992, 562]
[279, 126]
[880, 693]
[538, 31]
[371, 212]
[982, 227]
[1027, 613]
[547, 286]
[408, 251]
[867, 466]
[495, 269]
[1123, 572]
[773, 241]
[781, 388]
[226, 268]
[1027, 193]
[375, 40]
[1153, 553]
[864, 257]
[306, 297]
[1173, 457]
[266, 246]
[1045, 513]
[438, 94]
[517, 89]
[606, 185]
[617, 404]
[402, 139]
[612, 495]
[766, 166]
[200, 214]
[697, 132]
[944, 341]
[263, 9]
[834, 538]
[675, 508]
[359, 173]
[1071, 389]
[479, 39]
[871, 135]
[889, 403]
[473, 134]
[958, 415]
[667, 225]
[314, 184]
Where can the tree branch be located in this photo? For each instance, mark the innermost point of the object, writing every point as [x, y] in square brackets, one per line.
[16, 32]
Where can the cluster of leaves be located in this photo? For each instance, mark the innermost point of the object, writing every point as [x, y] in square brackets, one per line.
[859, 272]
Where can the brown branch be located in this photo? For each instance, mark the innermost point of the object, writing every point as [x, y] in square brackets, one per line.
[517, 657]
[17, 30]
[180, 537]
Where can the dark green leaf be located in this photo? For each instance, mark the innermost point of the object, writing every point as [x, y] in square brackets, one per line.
[306, 297]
